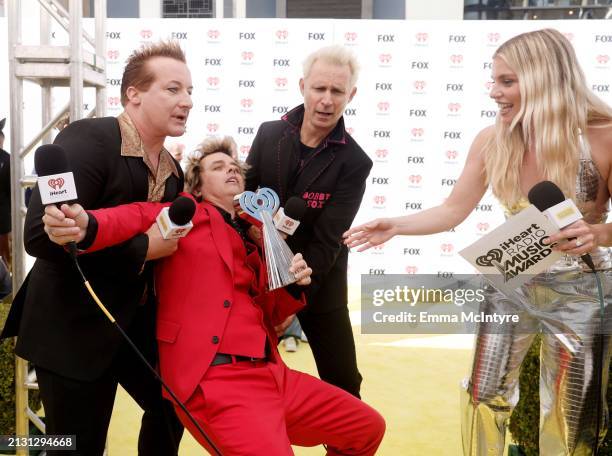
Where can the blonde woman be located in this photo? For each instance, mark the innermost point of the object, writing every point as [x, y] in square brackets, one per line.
[549, 126]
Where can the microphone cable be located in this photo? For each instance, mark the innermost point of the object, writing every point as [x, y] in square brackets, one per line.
[72, 250]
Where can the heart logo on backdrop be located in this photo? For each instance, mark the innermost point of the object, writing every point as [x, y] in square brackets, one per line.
[253, 203]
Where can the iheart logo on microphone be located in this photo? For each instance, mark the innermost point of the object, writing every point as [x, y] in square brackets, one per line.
[57, 188]
[56, 184]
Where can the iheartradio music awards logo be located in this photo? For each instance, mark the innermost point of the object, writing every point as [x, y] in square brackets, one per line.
[381, 155]
[281, 36]
[213, 83]
[482, 227]
[379, 201]
[602, 60]
[213, 36]
[493, 39]
[385, 60]
[247, 57]
[113, 102]
[450, 156]
[378, 249]
[454, 109]
[383, 108]
[411, 269]
[419, 87]
[280, 83]
[487, 87]
[244, 150]
[417, 134]
[421, 39]
[415, 181]
[447, 249]
[517, 254]
[112, 55]
[350, 38]
[146, 35]
[56, 184]
[246, 104]
[456, 60]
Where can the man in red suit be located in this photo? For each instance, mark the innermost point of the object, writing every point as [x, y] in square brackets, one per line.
[215, 324]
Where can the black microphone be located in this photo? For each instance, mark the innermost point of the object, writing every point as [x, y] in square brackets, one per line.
[287, 219]
[550, 200]
[55, 179]
[175, 221]
[56, 185]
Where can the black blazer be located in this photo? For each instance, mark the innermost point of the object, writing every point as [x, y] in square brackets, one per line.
[59, 326]
[332, 182]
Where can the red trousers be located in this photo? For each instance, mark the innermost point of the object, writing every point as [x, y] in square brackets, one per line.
[263, 408]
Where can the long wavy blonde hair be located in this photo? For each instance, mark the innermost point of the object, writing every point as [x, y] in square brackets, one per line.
[556, 106]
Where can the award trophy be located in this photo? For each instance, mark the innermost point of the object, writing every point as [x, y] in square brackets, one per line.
[259, 209]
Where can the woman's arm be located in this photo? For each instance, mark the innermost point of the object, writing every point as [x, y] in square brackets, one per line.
[467, 192]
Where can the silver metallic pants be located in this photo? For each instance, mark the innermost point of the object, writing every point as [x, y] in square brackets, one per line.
[565, 306]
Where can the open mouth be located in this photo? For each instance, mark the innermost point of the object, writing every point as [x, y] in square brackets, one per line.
[181, 118]
[324, 114]
[505, 108]
[232, 180]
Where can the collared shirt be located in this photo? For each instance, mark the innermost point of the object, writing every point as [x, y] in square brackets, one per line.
[238, 225]
[131, 146]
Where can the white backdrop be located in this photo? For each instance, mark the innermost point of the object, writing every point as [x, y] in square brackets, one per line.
[422, 97]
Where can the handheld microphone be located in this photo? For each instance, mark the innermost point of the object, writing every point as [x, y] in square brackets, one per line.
[55, 180]
[549, 199]
[175, 221]
[287, 219]
[56, 185]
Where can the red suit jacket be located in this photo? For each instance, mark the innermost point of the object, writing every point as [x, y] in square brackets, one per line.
[192, 287]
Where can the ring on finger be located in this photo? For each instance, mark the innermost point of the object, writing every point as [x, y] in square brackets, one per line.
[578, 242]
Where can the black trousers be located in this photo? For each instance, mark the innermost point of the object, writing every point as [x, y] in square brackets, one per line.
[331, 339]
[82, 408]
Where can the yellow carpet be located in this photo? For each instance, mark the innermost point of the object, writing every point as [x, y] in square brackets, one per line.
[413, 381]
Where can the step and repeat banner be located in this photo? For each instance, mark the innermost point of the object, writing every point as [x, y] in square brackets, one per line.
[422, 97]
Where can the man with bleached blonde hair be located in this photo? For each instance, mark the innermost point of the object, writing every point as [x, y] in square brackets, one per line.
[309, 154]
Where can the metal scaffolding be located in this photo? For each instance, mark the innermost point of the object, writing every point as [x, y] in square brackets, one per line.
[48, 66]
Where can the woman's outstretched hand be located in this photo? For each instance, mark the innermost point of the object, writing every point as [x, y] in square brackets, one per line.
[370, 234]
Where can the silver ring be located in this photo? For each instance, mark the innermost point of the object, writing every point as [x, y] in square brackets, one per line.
[578, 243]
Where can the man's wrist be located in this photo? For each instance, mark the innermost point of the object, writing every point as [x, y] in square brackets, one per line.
[90, 233]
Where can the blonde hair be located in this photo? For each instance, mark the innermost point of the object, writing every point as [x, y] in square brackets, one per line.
[209, 146]
[556, 107]
[138, 74]
[337, 55]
